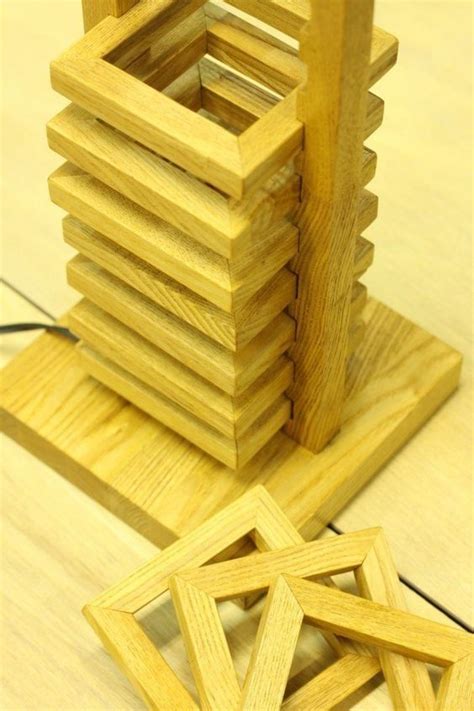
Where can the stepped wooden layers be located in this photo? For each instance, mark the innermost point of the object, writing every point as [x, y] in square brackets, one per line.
[182, 184]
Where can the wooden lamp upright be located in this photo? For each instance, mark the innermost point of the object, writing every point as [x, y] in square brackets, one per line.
[216, 188]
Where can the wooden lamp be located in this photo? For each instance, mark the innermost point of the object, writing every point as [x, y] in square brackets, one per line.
[216, 188]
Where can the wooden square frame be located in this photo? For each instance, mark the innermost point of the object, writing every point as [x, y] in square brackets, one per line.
[405, 642]
[255, 514]
[282, 566]
[86, 74]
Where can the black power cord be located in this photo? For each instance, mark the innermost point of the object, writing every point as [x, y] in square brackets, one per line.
[19, 327]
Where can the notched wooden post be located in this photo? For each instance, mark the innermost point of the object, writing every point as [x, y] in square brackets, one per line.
[335, 47]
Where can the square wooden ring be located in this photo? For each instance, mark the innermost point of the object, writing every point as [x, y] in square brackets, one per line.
[112, 615]
[88, 75]
[404, 642]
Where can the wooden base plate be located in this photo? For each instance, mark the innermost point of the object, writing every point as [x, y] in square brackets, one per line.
[164, 487]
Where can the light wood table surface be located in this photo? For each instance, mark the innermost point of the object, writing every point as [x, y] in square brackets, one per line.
[59, 548]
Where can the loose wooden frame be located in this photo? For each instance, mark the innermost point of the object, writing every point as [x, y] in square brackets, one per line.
[112, 615]
[404, 641]
[282, 565]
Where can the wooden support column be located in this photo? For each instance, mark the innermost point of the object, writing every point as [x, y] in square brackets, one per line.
[95, 10]
[335, 47]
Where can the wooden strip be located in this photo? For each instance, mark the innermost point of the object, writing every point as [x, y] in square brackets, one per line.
[274, 649]
[369, 622]
[178, 419]
[155, 184]
[273, 62]
[232, 453]
[186, 89]
[367, 210]
[173, 54]
[456, 689]
[234, 43]
[359, 300]
[375, 112]
[226, 226]
[134, 652]
[408, 679]
[227, 285]
[127, 349]
[206, 645]
[364, 256]
[242, 576]
[271, 142]
[333, 685]
[231, 97]
[232, 372]
[95, 10]
[181, 136]
[337, 70]
[230, 330]
[223, 528]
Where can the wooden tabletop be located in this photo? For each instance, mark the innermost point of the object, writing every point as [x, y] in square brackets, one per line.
[61, 548]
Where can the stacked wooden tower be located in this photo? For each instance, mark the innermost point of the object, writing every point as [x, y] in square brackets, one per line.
[219, 261]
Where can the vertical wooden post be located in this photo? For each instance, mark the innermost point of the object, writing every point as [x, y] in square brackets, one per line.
[95, 10]
[336, 50]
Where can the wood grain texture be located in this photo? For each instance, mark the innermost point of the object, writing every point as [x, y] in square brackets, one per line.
[224, 226]
[273, 61]
[233, 452]
[230, 330]
[232, 372]
[368, 622]
[381, 413]
[232, 416]
[227, 284]
[335, 95]
[95, 10]
[88, 677]
[408, 680]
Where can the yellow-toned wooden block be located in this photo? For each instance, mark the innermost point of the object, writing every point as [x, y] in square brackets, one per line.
[275, 62]
[232, 416]
[223, 225]
[400, 643]
[230, 371]
[230, 330]
[227, 284]
[234, 453]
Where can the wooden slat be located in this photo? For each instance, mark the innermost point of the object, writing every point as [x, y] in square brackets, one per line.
[368, 209]
[271, 142]
[186, 89]
[335, 47]
[375, 112]
[232, 416]
[359, 299]
[369, 622]
[233, 454]
[223, 225]
[227, 285]
[275, 63]
[182, 47]
[364, 256]
[232, 372]
[232, 97]
[181, 136]
[230, 330]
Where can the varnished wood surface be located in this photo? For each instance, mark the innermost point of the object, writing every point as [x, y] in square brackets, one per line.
[421, 269]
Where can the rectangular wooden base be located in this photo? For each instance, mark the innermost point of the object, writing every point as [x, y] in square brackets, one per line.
[164, 487]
